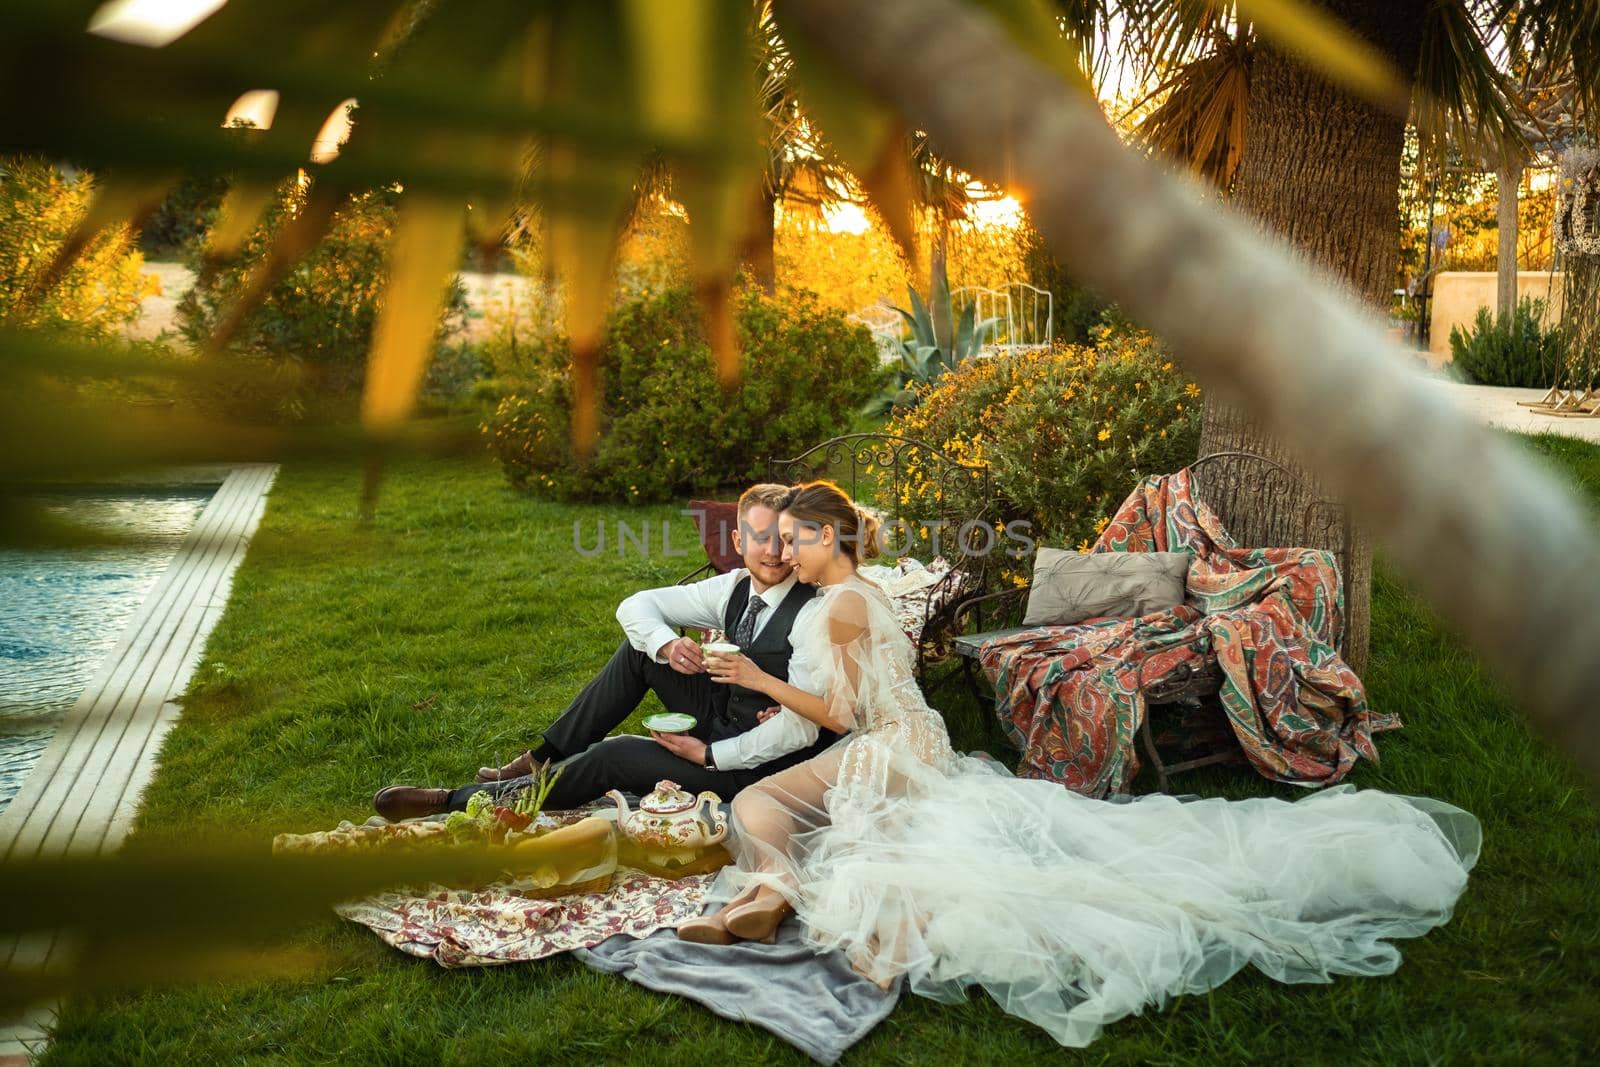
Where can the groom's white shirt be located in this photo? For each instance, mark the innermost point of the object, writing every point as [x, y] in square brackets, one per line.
[650, 617]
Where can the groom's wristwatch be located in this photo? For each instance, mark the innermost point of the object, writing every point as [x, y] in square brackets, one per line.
[711, 761]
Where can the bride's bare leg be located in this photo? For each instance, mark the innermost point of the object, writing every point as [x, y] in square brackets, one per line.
[766, 817]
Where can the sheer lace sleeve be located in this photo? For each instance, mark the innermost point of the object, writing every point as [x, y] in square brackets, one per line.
[867, 660]
[849, 640]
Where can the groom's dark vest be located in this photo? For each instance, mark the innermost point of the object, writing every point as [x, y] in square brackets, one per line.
[770, 650]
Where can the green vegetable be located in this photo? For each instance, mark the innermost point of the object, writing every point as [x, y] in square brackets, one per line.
[479, 803]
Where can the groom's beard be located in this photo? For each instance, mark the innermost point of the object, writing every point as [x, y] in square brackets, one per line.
[771, 573]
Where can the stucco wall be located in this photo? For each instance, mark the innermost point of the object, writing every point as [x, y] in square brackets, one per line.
[1457, 296]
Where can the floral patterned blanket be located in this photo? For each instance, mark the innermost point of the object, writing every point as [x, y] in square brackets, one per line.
[1070, 696]
[493, 925]
[501, 922]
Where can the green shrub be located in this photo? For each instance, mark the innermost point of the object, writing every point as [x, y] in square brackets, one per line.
[322, 314]
[1075, 310]
[516, 349]
[1066, 433]
[1511, 350]
[456, 376]
[100, 293]
[666, 428]
[183, 217]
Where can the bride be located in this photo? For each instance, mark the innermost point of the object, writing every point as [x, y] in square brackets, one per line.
[915, 860]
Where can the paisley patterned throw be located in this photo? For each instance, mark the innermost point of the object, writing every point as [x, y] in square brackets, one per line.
[1070, 696]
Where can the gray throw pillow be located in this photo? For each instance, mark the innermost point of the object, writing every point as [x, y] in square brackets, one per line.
[1069, 587]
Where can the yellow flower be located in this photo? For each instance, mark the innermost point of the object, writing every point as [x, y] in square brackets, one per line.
[1105, 435]
[1083, 546]
[1180, 407]
[1192, 389]
[1102, 524]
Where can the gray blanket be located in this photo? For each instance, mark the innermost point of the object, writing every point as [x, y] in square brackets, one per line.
[816, 1003]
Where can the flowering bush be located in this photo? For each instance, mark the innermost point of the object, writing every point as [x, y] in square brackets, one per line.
[39, 207]
[1066, 433]
[666, 427]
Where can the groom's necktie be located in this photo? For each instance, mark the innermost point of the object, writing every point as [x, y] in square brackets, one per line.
[745, 632]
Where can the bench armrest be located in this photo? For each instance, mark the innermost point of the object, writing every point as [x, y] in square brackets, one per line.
[1000, 602]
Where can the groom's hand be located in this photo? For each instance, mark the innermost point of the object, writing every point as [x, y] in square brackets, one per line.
[766, 713]
[683, 656]
[682, 745]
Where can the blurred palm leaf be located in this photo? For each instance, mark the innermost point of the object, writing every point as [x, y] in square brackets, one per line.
[208, 908]
[427, 248]
[451, 105]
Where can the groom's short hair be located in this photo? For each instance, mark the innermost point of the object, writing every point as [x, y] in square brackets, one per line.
[767, 494]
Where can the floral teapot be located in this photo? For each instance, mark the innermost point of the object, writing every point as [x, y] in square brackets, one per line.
[670, 818]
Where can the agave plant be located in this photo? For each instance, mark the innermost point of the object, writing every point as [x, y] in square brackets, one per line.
[922, 360]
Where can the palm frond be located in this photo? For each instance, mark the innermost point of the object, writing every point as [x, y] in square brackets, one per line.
[1563, 35]
[1463, 97]
[1201, 117]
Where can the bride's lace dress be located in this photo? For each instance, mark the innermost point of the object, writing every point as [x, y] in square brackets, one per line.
[1070, 912]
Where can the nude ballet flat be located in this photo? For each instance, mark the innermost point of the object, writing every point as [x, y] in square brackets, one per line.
[705, 930]
[756, 921]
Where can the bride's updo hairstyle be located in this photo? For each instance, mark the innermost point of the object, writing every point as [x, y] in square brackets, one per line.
[822, 503]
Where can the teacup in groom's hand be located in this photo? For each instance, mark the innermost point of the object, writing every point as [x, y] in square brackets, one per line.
[683, 656]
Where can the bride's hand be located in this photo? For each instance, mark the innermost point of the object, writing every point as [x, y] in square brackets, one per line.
[737, 669]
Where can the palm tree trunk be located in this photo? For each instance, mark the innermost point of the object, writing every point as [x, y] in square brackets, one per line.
[939, 285]
[1321, 169]
[758, 251]
[1510, 178]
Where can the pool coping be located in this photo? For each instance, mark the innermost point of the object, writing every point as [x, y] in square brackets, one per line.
[82, 795]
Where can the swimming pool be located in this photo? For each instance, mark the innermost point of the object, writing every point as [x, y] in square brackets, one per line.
[62, 610]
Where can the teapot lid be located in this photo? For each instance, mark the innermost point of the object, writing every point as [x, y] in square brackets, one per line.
[669, 797]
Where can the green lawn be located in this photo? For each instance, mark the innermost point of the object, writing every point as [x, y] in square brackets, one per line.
[464, 589]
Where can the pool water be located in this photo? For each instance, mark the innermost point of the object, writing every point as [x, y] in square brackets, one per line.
[62, 610]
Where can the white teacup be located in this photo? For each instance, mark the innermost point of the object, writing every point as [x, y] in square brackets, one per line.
[720, 648]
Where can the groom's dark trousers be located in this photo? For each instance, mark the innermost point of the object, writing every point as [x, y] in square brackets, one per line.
[593, 763]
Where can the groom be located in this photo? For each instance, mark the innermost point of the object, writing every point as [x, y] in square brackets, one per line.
[737, 739]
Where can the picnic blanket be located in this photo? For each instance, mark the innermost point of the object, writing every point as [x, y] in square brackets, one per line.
[813, 1001]
[503, 922]
[497, 925]
[1071, 696]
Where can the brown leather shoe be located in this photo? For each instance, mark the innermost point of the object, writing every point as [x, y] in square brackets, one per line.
[518, 767]
[398, 802]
